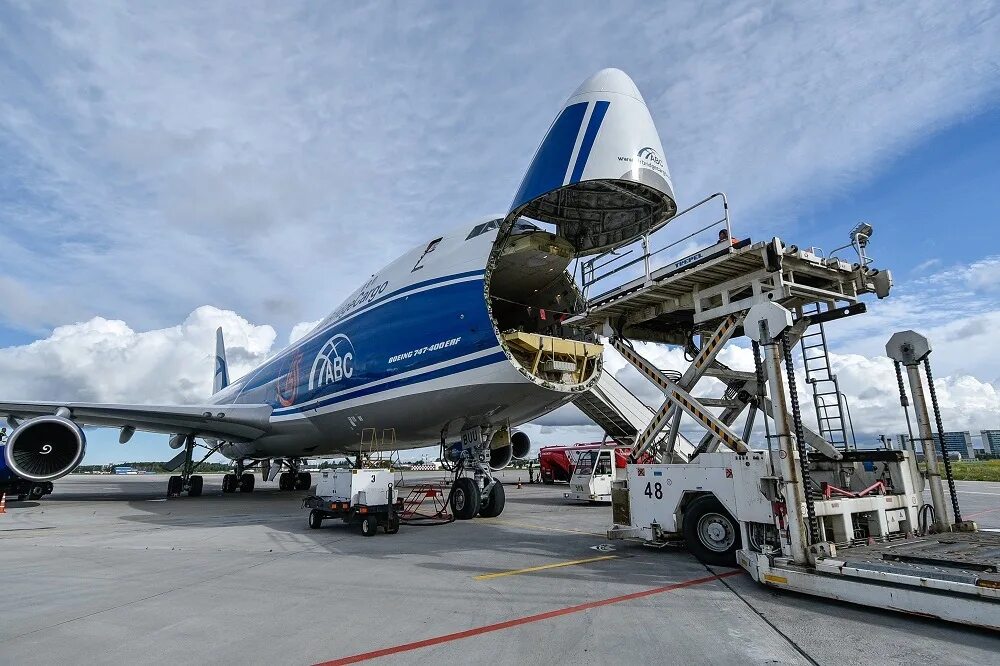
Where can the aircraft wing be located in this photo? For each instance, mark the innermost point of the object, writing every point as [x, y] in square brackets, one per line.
[234, 423]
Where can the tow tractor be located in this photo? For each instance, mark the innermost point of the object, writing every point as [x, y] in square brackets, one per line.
[803, 510]
[363, 497]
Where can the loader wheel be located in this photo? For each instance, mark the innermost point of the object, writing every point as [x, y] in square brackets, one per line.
[369, 525]
[392, 525]
[315, 519]
[493, 506]
[465, 498]
[710, 532]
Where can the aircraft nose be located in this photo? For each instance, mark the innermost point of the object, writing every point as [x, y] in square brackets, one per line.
[610, 80]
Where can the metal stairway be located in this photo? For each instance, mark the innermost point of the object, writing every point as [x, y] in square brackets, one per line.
[622, 415]
[826, 388]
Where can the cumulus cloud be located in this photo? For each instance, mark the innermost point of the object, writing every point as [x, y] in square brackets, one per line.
[103, 360]
[301, 329]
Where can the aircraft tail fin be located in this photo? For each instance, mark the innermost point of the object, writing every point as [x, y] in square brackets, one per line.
[221, 380]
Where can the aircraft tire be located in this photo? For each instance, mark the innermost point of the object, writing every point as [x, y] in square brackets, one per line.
[195, 485]
[229, 482]
[315, 519]
[21, 497]
[369, 525]
[303, 480]
[286, 481]
[36, 492]
[174, 486]
[710, 533]
[246, 483]
[465, 499]
[493, 506]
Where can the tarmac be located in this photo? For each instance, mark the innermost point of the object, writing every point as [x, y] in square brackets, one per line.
[106, 570]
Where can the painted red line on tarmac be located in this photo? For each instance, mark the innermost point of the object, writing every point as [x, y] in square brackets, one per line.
[458, 635]
[979, 513]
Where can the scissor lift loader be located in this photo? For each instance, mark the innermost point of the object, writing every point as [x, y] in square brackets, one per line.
[800, 512]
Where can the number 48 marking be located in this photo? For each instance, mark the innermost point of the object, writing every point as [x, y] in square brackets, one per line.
[654, 490]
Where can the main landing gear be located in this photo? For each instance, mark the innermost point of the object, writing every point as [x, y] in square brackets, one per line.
[240, 480]
[294, 481]
[187, 480]
[481, 493]
[291, 478]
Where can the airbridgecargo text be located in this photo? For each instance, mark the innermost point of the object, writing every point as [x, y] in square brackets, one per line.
[368, 293]
[423, 350]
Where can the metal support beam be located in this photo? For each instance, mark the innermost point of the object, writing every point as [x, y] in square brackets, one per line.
[941, 520]
[669, 412]
[679, 399]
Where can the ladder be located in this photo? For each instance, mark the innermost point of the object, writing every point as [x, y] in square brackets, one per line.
[825, 386]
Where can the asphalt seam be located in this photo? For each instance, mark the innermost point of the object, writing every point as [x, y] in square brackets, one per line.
[795, 646]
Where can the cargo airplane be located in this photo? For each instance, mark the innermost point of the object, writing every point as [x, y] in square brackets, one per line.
[456, 342]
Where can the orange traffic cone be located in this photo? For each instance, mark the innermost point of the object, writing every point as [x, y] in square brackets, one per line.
[3, 503]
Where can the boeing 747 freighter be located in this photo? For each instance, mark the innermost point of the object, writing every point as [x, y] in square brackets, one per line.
[456, 342]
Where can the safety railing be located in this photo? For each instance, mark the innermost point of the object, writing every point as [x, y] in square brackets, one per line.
[641, 256]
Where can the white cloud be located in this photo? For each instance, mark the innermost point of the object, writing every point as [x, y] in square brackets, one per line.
[171, 155]
[925, 266]
[301, 329]
[103, 360]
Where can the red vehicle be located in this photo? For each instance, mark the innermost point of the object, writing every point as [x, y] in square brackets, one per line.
[556, 462]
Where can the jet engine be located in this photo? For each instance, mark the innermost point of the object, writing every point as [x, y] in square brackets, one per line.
[521, 444]
[506, 446]
[45, 448]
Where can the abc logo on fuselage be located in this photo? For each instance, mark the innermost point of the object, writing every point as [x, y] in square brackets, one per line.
[334, 362]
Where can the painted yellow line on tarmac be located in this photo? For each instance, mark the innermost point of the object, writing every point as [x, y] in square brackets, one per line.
[495, 521]
[554, 565]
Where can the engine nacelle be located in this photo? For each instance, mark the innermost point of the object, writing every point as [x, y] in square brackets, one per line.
[520, 444]
[506, 446]
[45, 448]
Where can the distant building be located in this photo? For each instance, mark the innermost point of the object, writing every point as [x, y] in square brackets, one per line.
[991, 442]
[956, 443]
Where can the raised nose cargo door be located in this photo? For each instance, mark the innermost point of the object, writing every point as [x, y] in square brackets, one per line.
[600, 174]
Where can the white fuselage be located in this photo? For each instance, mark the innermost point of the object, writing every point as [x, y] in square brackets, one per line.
[413, 354]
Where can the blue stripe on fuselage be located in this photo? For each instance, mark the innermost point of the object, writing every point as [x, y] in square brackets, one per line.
[388, 386]
[414, 331]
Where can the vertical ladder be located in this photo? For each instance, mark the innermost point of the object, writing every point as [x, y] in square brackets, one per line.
[826, 388]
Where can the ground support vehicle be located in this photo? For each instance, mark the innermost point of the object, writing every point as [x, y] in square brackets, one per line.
[362, 497]
[596, 468]
[806, 511]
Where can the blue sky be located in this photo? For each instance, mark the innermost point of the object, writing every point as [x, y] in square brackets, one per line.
[167, 169]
